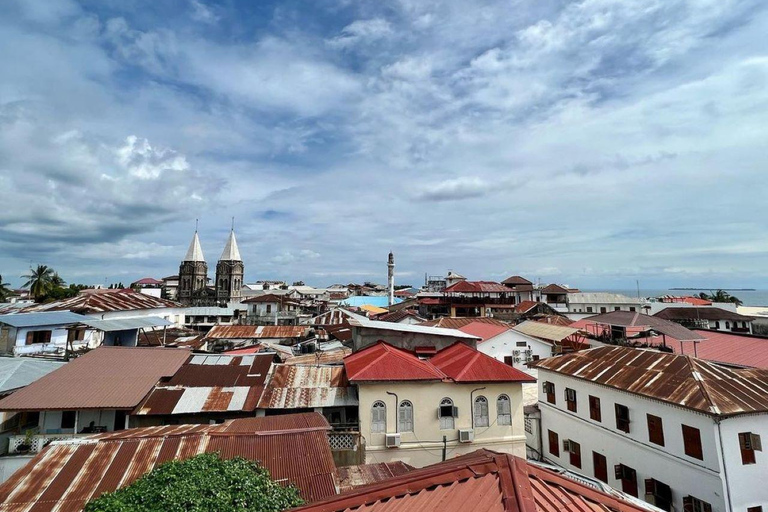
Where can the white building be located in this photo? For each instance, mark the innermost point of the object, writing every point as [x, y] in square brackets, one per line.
[597, 303]
[708, 317]
[680, 432]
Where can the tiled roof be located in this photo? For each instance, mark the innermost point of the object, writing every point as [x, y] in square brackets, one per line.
[482, 481]
[638, 322]
[300, 387]
[458, 323]
[396, 316]
[383, 362]
[516, 280]
[703, 313]
[681, 380]
[477, 287]
[104, 301]
[462, 363]
[68, 474]
[256, 331]
[210, 383]
[104, 378]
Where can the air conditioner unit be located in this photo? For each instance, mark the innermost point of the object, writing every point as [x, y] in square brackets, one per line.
[392, 440]
[517, 359]
[529, 352]
[516, 352]
[567, 445]
[466, 435]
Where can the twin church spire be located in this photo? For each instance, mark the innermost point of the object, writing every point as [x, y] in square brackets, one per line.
[193, 274]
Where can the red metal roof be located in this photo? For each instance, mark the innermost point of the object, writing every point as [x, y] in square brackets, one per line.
[102, 301]
[554, 288]
[104, 378]
[253, 349]
[458, 323]
[256, 331]
[703, 313]
[681, 380]
[516, 280]
[381, 361]
[147, 280]
[728, 348]
[525, 306]
[483, 330]
[462, 363]
[482, 481]
[396, 316]
[477, 287]
[67, 474]
[210, 383]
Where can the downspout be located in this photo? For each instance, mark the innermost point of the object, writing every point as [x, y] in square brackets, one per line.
[397, 420]
[725, 470]
[472, 405]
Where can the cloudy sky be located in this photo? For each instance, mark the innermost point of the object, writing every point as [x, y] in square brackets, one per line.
[588, 142]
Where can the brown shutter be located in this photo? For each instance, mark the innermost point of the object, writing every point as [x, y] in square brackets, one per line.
[601, 466]
[554, 443]
[594, 408]
[576, 454]
[655, 430]
[692, 442]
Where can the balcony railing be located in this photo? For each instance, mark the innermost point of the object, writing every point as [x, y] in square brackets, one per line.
[37, 442]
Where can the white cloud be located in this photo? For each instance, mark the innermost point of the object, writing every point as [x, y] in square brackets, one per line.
[361, 31]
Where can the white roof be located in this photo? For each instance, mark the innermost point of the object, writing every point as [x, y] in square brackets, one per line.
[231, 252]
[356, 320]
[602, 298]
[195, 251]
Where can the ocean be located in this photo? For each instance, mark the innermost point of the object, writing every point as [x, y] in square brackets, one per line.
[749, 298]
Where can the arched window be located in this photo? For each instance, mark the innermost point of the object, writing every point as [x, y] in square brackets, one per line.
[378, 417]
[446, 413]
[503, 410]
[405, 416]
[481, 411]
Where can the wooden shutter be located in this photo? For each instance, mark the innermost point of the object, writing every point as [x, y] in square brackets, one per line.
[594, 408]
[30, 338]
[575, 454]
[601, 466]
[554, 443]
[747, 447]
[692, 442]
[655, 430]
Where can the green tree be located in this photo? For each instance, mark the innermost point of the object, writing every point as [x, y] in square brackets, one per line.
[57, 281]
[5, 291]
[39, 280]
[203, 483]
[721, 296]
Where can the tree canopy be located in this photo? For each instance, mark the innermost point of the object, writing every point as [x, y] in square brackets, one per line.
[720, 296]
[202, 483]
[5, 291]
[40, 280]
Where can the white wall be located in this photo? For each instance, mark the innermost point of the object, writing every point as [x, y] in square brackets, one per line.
[507, 342]
[50, 421]
[175, 315]
[747, 483]
[669, 463]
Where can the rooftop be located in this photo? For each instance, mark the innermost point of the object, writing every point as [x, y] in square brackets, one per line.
[677, 379]
[17, 372]
[361, 321]
[462, 363]
[103, 301]
[516, 280]
[482, 481]
[601, 298]
[477, 287]
[48, 318]
[639, 322]
[548, 332]
[743, 350]
[381, 301]
[300, 386]
[104, 378]
[256, 331]
[702, 313]
[351, 477]
[68, 474]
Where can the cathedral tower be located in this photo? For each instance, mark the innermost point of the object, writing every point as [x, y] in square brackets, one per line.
[229, 271]
[193, 272]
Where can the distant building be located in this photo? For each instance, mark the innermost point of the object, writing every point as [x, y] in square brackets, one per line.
[598, 302]
[229, 272]
[708, 317]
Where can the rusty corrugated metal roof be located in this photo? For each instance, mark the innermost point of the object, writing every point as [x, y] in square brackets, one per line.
[104, 378]
[352, 477]
[327, 357]
[102, 301]
[678, 379]
[481, 481]
[298, 387]
[210, 383]
[67, 474]
[548, 332]
[256, 331]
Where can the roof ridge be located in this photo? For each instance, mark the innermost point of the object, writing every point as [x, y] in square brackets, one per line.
[692, 364]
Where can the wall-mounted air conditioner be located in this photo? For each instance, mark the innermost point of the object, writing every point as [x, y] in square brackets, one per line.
[392, 440]
[466, 435]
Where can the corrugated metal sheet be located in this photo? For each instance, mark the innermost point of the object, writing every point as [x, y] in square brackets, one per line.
[640, 322]
[383, 362]
[67, 474]
[256, 331]
[298, 387]
[17, 372]
[123, 324]
[729, 348]
[352, 477]
[465, 364]
[101, 301]
[210, 383]
[62, 318]
[458, 323]
[482, 481]
[104, 378]
[477, 287]
[554, 333]
[329, 357]
[680, 380]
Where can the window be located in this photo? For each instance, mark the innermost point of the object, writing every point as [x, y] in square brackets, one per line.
[589, 309]
[405, 417]
[655, 430]
[269, 308]
[601, 466]
[692, 442]
[755, 509]
[691, 504]
[574, 449]
[658, 494]
[481, 412]
[628, 478]
[549, 389]
[570, 399]
[76, 335]
[622, 418]
[632, 308]
[727, 325]
[509, 360]
[378, 417]
[446, 413]
[749, 443]
[717, 325]
[68, 419]
[521, 344]
[554, 446]
[603, 310]
[503, 410]
[617, 308]
[38, 337]
[594, 408]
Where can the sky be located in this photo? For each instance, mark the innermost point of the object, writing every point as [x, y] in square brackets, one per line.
[592, 142]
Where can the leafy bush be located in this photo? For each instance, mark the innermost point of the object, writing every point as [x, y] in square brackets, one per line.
[204, 483]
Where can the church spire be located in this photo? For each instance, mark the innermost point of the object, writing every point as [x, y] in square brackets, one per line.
[231, 252]
[195, 251]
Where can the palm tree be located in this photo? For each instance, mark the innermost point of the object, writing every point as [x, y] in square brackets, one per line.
[57, 281]
[4, 290]
[721, 296]
[39, 280]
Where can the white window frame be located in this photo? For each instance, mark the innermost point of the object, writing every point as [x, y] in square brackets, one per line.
[503, 410]
[480, 410]
[446, 422]
[405, 416]
[378, 417]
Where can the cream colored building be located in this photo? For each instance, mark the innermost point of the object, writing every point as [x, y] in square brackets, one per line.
[408, 404]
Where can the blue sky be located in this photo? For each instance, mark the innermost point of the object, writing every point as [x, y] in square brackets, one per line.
[590, 142]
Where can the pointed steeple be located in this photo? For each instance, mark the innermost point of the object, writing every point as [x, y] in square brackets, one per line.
[195, 251]
[231, 252]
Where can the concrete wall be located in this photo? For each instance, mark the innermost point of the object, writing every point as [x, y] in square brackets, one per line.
[669, 463]
[424, 445]
[506, 343]
[747, 483]
[50, 421]
[9, 465]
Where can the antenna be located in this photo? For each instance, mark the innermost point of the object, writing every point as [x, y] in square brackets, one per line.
[195, 225]
[233, 223]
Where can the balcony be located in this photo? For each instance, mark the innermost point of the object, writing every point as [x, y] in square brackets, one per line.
[39, 441]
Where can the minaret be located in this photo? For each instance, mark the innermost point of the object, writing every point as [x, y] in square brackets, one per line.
[193, 271]
[229, 270]
[391, 278]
